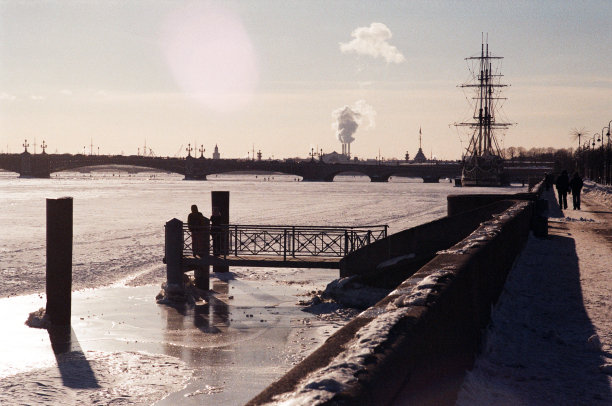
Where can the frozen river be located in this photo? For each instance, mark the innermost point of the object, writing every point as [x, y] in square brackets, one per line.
[127, 349]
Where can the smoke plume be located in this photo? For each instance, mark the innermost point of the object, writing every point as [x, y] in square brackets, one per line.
[348, 118]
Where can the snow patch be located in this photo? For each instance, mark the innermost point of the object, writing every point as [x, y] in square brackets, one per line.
[485, 232]
[38, 319]
[420, 292]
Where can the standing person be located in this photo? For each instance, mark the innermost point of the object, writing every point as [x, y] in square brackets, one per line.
[215, 222]
[576, 186]
[562, 185]
[199, 226]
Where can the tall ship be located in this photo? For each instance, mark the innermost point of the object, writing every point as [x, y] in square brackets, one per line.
[483, 163]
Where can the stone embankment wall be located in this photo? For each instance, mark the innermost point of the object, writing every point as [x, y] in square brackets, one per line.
[398, 256]
[415, 344]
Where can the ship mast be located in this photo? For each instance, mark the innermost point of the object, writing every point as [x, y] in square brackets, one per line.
[486, 83]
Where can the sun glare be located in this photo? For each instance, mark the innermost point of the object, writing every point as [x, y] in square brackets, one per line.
[211, 56]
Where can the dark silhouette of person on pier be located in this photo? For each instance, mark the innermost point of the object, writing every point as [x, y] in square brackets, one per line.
[199, 226]
[562, 185]
[215, 222]
[576, 186]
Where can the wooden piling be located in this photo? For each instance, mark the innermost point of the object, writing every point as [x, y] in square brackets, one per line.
[59, 261]
[174, 256]
[202, 277]
[220, 200]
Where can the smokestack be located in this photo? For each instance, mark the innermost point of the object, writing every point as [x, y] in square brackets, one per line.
[346, 121]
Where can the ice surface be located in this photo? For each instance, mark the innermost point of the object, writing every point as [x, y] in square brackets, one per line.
[118, 243]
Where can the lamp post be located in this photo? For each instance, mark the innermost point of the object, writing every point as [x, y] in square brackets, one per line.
[608, 169]
[591, 153]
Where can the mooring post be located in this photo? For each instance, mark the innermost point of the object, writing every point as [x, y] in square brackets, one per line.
[174, 256]
[59, 261]
[202, 277]
[220, 200]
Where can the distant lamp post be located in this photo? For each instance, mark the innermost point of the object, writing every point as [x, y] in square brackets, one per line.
[189, 149]
[25, 145]
[607, 169]
[43, 146]
[202, 150]
[312, 154]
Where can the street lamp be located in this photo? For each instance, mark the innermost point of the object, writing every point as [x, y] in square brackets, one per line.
[608, 169]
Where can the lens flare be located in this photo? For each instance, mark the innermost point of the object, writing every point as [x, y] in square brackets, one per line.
[210, 55]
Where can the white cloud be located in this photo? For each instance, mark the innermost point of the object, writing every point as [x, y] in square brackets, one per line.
[373, 41]
[36, 97]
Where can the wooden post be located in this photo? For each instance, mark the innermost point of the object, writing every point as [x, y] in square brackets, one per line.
[59, 261]
[174, 256]
[220, 200]
[202, 277]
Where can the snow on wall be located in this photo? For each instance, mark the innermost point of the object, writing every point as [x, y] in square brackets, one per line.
[340, 374]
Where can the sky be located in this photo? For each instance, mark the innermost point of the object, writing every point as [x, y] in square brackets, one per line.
[275, 76]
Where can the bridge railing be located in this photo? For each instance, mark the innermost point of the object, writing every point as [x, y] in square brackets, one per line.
[285, 241]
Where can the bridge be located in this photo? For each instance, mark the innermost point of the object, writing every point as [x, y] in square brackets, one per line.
[43, 165]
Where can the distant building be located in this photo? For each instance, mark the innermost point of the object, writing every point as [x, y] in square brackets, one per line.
[420, 156]
[334, 157]
[216, 154]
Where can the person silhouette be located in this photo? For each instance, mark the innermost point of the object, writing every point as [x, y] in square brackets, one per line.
[562, 185]
[199, 226]
[215, 230]
[575, 185]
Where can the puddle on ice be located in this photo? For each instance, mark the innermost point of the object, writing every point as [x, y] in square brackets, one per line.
[123, 348]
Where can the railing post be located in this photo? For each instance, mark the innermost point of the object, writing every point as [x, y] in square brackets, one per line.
[236, 240]
[284, 244]
[369, 236]
[174, 256]
[346, 237]
[59, 261]
[293, 241]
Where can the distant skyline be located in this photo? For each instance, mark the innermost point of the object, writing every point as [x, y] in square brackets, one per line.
[275, 75]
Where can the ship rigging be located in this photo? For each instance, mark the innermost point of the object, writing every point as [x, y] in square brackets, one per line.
[483, 159]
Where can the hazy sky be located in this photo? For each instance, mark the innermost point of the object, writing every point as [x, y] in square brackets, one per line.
[272, 73]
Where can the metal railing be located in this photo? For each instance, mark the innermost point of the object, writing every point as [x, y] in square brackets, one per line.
[285, 241]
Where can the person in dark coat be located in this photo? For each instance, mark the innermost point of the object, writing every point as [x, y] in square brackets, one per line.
[576, 186]
[562, 185]
[199, 226]
[215, 229]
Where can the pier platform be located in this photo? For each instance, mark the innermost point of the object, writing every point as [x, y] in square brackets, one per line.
[264, 261]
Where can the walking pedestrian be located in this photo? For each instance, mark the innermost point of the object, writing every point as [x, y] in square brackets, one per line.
[576, 187]
[562, 185]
